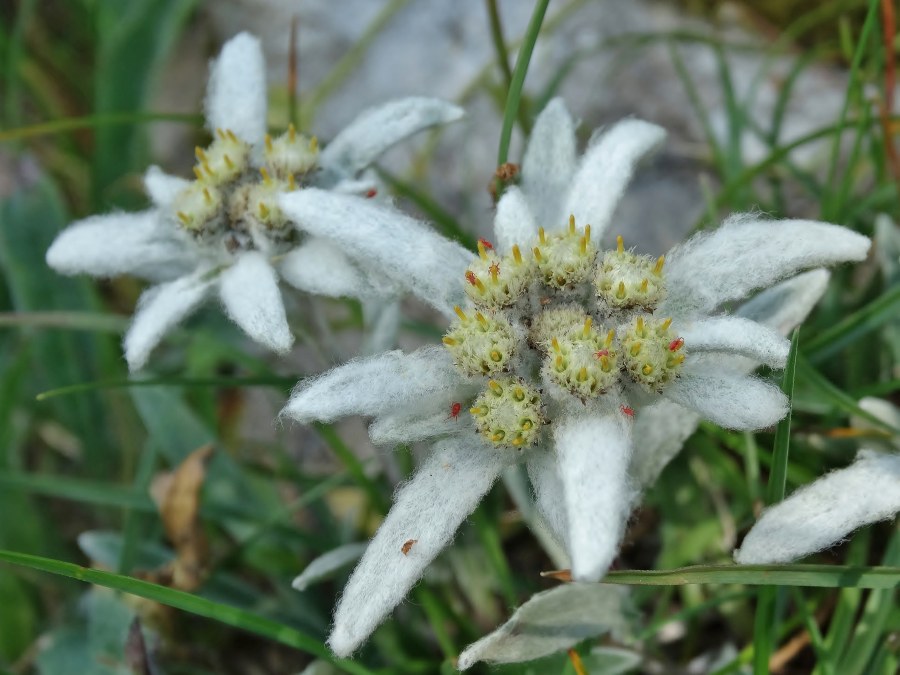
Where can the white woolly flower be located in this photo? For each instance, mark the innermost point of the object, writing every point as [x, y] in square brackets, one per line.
[553, 348]
[224, 233]
[821, 514]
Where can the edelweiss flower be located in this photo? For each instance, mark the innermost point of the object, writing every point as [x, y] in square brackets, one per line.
[822, 513]
[557, 347]
[224, 232]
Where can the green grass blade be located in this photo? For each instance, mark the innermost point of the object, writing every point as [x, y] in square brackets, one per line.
[514, 95]
[77, 490]
[884, 308]
[224, 382]
[820, 576]
[193, 604]
[766, 624]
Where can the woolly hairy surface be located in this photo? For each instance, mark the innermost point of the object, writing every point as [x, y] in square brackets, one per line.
[605, 171]
[730, 400]
[739, 336]
[394, 429]
[594, 451]
[514, 222]
[402, 248]
[159, 310]
[161, 187]
[549, 163]
[747, 253]
[236, 93]
[819, 515]
[318, 266]
[428, 510]
[377, 129]
[328, 564]
[785, 306]
[543, 471]
[375, 385]
[140, 244]
[250, 295]
[550, 622]
[381, 318]
[660, 431]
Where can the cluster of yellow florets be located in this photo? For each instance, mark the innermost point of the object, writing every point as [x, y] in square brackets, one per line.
[230, 195]
[571, 321]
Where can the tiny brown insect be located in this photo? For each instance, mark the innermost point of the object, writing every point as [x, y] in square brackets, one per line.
[371, 193]
[471, 278]
[454, 410]
[407, 546]
[601, 353]
[506, 172]
[488, 245]
[676, 344]
[626, 410]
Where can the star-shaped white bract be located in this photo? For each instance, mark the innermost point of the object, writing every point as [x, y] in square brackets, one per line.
[823, 513]
[554, 348]
[223, 233]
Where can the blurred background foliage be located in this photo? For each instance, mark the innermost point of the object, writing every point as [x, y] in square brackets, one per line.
[90, 457]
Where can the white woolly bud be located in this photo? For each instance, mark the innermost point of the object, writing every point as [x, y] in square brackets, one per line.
[584, 362]
[495, 282]
[652, 354]
[567, 258]
[197, 207]
[556, 322]
[508, 413]
[291, 153]
[481, 345]
[625, 279]
[261, 202]
[224, 160]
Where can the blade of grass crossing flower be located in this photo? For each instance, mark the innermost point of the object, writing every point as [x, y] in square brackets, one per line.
[264, 381]
[766, 623]
[193, 604]
[514, 95]
[67, 124]
[502, 57]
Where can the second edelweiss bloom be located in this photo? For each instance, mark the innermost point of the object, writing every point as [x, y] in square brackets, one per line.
[554, 347]
[224, 233]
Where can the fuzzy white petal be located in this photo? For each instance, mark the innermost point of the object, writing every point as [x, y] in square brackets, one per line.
[427, 511]
[249, 292]
[142, 244]
[549, 496]
[328, 565]
[550, 622]
[161, 187]
[594, 451]
[822, 513]
[549, 163]
[730, 400]
[738, 336]
[375, 385]
[236, 93]
[514, 222]
[747, 253]
[660, 431]
[787, 304]
[605, 171]
[406, 251]
[377, 129]
[319, 266]
[395, 429]
[159, 310]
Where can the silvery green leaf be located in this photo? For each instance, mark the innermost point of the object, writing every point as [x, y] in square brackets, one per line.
[328, 565]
